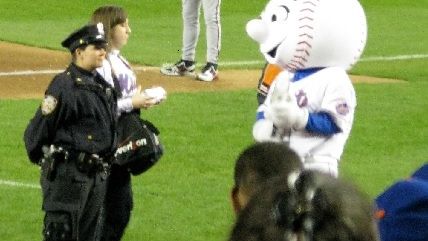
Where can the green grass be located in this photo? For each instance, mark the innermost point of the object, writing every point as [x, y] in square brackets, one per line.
[181, 195]
[413, 70]
[394, 28]
[388, 139]
[186, 195]
[156, 27]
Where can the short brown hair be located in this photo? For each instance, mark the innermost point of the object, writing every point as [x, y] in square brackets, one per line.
[261, 161]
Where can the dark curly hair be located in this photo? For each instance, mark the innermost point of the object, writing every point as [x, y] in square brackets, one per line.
[307, 206]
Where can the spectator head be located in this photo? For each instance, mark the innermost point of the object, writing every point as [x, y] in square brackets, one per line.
[111, 16]
[307, 206]
[258, 163]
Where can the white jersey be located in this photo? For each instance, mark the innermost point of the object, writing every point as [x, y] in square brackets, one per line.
[126, 77]
[327, 90]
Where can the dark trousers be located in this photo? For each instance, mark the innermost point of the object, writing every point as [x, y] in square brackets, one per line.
[118, 204]
[73, 203]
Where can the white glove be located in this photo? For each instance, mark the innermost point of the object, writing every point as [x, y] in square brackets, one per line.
[283, 110]
[263, 131]
[287, 115]
[281, 87]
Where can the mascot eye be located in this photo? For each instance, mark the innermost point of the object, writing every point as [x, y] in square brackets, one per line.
[273, 18]
[281, 14]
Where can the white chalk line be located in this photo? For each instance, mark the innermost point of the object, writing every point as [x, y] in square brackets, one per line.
[18, 184]
[393, 58]
[228, 64]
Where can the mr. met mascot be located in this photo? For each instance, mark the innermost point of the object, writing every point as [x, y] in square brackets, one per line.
[311, 104]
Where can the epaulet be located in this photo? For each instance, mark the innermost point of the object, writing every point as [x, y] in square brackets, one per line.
[76, 80]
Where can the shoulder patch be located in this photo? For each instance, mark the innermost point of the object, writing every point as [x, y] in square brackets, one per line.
[48, 104]
[342, 108]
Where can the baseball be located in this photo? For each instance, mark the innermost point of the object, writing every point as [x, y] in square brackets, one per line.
[158, 93]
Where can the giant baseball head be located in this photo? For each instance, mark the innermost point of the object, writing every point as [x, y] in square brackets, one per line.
[301, 34]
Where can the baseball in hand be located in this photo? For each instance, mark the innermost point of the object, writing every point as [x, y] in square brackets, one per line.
[157, 93]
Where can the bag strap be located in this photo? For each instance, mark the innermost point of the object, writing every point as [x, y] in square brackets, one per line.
[115, 80]
[151, 126]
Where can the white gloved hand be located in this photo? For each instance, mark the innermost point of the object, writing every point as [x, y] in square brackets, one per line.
[283, 110]
[263, 130]
[281, 88]
[287, 115]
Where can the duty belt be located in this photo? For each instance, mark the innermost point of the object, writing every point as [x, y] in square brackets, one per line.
[89, 163]
[85, 162]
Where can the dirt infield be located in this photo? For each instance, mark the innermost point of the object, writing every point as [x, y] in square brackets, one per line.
[22, 76]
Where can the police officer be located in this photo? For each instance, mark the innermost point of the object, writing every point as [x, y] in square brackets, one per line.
[73, 136]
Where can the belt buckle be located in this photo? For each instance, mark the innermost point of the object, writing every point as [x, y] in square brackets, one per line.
[84, 162]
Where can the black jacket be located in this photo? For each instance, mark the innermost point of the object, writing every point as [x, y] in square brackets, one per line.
[79, 113]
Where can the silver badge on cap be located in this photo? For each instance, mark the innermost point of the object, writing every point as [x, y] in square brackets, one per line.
[100, 28]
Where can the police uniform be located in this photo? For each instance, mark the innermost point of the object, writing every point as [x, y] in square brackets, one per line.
[73, 136]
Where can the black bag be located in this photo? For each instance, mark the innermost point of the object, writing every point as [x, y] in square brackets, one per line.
[139, 147]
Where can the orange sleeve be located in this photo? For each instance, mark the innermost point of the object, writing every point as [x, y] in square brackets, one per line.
[269, 74]
[271, 71]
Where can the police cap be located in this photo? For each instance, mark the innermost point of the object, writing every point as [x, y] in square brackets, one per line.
[89, 34]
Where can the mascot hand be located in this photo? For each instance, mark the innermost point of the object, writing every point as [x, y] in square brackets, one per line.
[280, 91]
[298, 117]
[276, 110]
[285, 114]
[263, 130]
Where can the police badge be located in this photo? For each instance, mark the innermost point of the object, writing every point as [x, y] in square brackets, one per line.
[48, 104]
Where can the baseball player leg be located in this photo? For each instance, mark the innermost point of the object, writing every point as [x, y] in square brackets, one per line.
[213, 29]
[190, 13]
[213, 32]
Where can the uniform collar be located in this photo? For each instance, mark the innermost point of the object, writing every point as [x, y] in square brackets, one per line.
[303, 73]
[84, 72]
[83, 77]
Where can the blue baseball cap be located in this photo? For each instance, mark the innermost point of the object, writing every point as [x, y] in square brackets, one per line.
[402, 209]
[422, 173]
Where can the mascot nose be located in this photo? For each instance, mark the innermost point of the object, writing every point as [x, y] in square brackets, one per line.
[257, 30]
